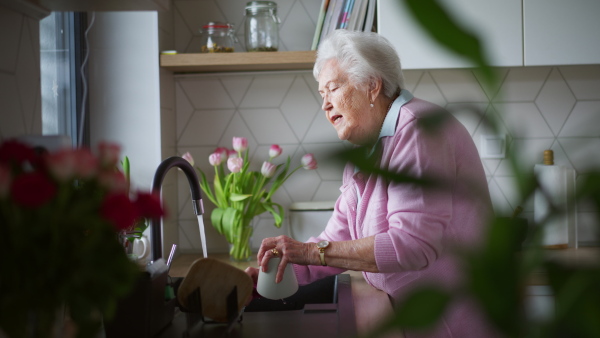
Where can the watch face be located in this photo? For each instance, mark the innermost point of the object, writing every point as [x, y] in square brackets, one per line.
[322, 244]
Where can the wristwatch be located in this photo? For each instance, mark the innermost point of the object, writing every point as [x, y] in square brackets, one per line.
[322, 245]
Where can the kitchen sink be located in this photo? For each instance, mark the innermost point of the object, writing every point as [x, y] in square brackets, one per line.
[324, 308]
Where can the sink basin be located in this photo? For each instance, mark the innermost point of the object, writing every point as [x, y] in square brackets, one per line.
[323, 291]
[324, 308]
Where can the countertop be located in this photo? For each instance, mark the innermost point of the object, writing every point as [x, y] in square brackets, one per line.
[371, 306]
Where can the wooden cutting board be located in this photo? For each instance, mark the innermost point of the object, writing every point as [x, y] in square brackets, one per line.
[216, 280]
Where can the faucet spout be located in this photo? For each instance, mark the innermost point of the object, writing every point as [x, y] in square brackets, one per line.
[161, 172]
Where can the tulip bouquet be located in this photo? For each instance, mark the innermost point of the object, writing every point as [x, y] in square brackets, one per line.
[60, 216]
[242, 194]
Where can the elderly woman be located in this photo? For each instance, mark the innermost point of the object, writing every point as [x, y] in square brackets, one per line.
[398, 234]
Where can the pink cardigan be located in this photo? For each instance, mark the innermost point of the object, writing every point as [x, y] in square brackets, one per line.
[415, 228]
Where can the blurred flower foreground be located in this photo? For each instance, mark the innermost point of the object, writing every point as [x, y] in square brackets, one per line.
[60, 218]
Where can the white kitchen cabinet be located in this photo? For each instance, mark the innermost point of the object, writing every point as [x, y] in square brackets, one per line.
[561, 32]
[497, 23]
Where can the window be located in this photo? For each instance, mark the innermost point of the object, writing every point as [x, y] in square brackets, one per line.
[62, 59]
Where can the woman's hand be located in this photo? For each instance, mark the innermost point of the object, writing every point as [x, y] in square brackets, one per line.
[289, 250]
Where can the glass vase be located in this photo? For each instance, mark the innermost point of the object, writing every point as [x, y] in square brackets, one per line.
[240, 248]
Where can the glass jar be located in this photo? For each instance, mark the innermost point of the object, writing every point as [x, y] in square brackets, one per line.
[217, 37]
[262, 26]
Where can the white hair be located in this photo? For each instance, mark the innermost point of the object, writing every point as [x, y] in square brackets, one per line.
[364, 56]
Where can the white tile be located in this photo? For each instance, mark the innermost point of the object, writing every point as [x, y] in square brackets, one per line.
[523, 120]
[206, 93]
[583, 121]
[427, 90]
[267, 91]
[205, 126]
[168, 129]
[499, 201]
[302, 185]
[587, 228]
[459, 85]
[510, 191]
[522, 84]
[411, 79]
[526, 153]
[312, 7]
[11, 115]
[237, 128]
[10, 22]
[184, 109]
[28, 75]
[299, 107]
[328, 191]
[584, 81]
[233, 11]
[236, 86]
[582, 153]
[492, 90]
[321, 130]
[268, 126]
[197, 13]
[327, 155]
[555, 101]
[181, 32]
[298, 29]
[470, 115]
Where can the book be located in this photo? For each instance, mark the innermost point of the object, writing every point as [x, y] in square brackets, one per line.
[320, 20]
[345, 14]
[357, 18]
[333, 14]
[370, 17]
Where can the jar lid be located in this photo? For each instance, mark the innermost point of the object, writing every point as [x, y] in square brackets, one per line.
[260, 4]
[217, 25]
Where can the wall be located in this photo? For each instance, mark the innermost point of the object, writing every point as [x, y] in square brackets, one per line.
[539, 107]
[20, 111]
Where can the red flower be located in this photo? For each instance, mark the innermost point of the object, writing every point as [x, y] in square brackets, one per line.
[118, 209]
[17, 152]
[149, 206]
[32, 189]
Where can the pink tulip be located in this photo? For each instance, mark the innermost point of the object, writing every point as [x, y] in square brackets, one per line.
[109, 153]
[223, 151]
[231, 153]
[240, 144]
[188, 157]
[113, 181]
[61, 164]
[5, 180]
[309, 162]
[268, 169]
[235, 164]
[275, 151]
[215, 159]
[86, 164]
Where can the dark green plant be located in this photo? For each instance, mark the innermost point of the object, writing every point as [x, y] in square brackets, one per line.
[497, 274]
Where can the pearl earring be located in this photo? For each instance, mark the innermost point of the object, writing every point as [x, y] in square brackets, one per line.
[372, 105]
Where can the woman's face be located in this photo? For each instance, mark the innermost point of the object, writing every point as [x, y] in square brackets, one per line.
[347, 107]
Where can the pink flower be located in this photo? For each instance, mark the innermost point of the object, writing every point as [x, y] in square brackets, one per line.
[223, 151]
[113, 181]
[119, 210]
[231, 153]
[148, 205]
[235, 164]
[275, 151]
[268, 169]
[109, 153]
[240, 144]
[17, 152]
[309, 162]
[32, 190]
[5, 180]
[188, 157]
[86, 164]
[61, 164]
[215, 159]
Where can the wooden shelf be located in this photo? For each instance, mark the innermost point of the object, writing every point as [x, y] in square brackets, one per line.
[238, 62]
